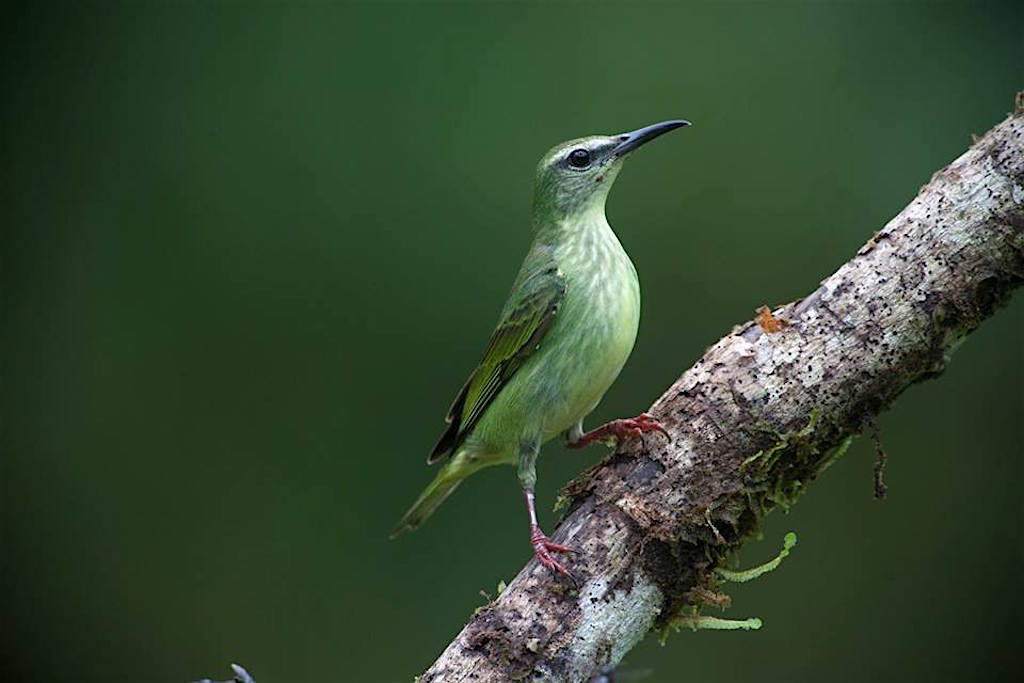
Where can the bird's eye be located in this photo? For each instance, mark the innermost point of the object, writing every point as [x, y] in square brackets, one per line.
[579, 158]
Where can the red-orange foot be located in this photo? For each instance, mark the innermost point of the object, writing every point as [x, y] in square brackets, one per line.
[543, 547]
[617, 430]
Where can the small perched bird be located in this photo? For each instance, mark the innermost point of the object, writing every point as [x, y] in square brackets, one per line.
[564, 334]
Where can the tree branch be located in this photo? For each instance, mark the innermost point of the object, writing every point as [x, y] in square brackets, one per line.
[761, 415]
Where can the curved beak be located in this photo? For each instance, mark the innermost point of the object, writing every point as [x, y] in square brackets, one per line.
[633, 139]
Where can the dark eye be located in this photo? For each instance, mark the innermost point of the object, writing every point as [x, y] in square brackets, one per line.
[579, 158]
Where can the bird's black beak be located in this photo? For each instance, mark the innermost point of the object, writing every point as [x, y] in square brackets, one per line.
[630, 141]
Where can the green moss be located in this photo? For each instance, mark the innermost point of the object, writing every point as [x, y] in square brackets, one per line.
[706, 593]
[788, 543]
[697, 622]
[776, 476]
[798, 441]
[755, 456]
[837, 452]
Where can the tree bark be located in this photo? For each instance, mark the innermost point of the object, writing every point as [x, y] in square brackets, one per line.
[753, 422]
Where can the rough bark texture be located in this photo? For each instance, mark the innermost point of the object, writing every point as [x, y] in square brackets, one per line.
[654, 520]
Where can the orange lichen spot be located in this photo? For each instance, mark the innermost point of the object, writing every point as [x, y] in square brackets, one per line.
[768, 322]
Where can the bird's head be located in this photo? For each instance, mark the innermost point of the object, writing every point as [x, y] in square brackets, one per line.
[576, 175]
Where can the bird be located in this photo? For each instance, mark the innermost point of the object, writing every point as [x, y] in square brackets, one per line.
[564, 334]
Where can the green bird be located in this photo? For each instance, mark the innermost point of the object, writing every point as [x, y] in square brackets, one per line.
[564, 334]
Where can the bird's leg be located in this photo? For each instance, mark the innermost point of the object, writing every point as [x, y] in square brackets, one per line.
[543, 547]
[612, 433]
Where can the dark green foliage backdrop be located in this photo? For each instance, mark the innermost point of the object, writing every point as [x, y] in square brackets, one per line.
[249, 253]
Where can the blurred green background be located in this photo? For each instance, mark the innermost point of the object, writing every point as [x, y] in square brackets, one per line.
[251, 251]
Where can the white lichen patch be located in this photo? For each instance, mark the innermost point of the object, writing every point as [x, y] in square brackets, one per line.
[812, 372]
[692, 379]
[765, 349]
[617, 618]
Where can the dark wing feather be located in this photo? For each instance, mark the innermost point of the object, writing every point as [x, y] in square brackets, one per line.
[527, 316]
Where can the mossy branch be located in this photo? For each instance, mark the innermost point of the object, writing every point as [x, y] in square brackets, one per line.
[764, 412]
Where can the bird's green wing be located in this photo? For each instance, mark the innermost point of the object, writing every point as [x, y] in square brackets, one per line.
[528, 314]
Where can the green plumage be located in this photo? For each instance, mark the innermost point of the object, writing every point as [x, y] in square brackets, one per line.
[528, 313]
[564, 334]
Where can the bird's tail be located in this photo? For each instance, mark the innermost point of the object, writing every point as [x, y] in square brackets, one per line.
[450, 476]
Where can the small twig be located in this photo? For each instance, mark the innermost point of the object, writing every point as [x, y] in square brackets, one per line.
[241, 676]
[880, 459]
[718, 535]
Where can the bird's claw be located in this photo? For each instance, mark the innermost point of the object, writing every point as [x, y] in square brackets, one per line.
[542, 549]
[645, 422]
[616, 431]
